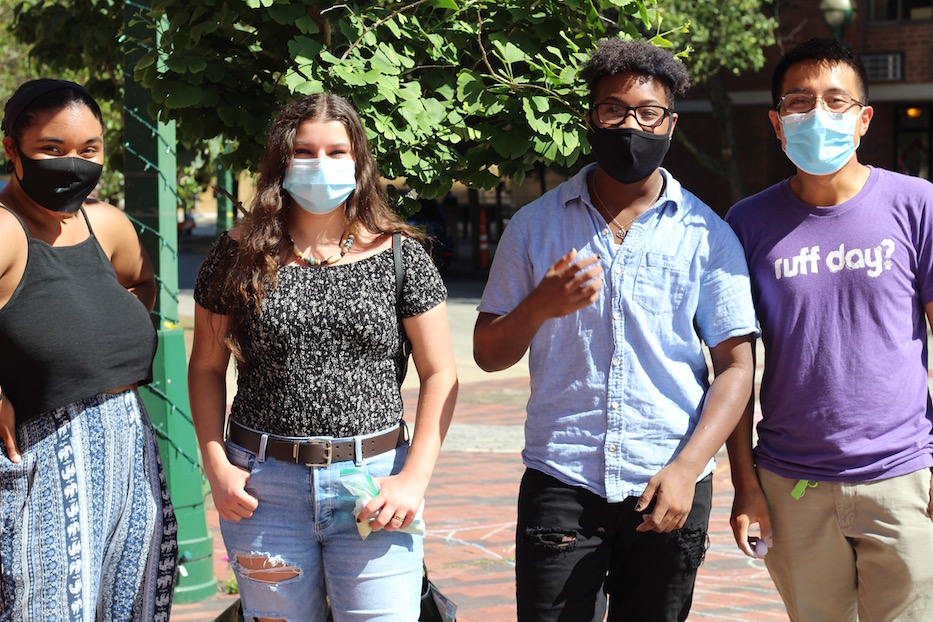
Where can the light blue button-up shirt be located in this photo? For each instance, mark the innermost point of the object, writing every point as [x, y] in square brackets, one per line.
[617, 387]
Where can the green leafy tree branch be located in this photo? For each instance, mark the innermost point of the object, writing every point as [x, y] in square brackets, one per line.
[725, 39]
[82, 40]
[449, 90]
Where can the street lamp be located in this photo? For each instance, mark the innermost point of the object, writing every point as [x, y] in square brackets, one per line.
[838, 15]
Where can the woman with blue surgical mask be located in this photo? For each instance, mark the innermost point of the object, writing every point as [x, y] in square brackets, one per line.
[320, 185]
[302, 293]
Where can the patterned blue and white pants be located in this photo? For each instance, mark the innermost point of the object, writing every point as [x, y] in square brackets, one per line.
[87, 530]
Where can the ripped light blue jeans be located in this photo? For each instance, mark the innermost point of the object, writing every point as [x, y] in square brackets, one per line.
[301, 547]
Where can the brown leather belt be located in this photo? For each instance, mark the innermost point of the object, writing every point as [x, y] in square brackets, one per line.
[313, 451]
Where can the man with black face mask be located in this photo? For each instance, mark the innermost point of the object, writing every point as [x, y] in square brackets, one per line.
[622, 422]
[88, 527]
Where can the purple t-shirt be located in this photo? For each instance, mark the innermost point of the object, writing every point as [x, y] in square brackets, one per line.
[840, 295]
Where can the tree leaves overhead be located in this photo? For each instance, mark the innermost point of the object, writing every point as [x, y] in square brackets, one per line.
[46, 30]
[725, 37]
[82, 40]
[467, 90]
[449, 90]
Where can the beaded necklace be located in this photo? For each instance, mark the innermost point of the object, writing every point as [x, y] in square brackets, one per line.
[322, 262]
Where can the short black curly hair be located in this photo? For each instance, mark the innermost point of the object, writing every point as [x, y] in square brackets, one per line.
[613, 56]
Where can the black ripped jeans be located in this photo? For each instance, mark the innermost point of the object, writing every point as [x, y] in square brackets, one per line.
[573, 548]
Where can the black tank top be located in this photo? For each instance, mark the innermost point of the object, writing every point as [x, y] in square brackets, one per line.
[70, 330]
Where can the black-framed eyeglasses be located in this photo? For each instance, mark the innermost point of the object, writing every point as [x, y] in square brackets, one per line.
[800, 103]
[613, 115]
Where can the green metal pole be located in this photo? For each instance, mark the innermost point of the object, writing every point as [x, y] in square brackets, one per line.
[225, 208]
[151, 199]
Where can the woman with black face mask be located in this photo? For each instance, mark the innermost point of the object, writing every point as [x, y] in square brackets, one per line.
[87, 531]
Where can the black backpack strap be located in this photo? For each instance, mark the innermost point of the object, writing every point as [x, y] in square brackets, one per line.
[405, 349]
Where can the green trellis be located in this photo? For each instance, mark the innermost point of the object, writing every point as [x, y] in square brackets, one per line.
[151, 203]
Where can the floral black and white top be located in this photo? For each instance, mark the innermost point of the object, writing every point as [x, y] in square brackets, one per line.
[323, 352]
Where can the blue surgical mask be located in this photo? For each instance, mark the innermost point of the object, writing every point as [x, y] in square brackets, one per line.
[320, 185]
[819, 142]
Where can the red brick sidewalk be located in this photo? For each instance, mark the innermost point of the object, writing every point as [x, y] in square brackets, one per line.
[470, 514]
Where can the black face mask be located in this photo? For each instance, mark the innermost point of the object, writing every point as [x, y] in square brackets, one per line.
[626, 154]
[59, 184]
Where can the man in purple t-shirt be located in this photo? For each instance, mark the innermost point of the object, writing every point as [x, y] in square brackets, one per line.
[841, 261]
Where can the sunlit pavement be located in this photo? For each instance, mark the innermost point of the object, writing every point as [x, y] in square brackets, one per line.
[470, 515]
[471, 503]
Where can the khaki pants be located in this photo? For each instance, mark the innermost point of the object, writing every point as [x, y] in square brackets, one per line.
[845, 549]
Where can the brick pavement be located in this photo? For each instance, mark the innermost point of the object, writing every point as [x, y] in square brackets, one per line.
[471, 518]
[470, 514]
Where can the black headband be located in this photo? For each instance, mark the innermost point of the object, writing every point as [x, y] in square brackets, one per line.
[30, 92]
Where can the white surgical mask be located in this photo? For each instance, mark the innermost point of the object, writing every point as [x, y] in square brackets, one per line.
[320, 185]
[819, 142]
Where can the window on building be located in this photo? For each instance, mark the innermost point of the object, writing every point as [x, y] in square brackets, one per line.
[914, 136]
[900, 10]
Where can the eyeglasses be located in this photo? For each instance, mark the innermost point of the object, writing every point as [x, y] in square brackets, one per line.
[614, 115]
[798, 103]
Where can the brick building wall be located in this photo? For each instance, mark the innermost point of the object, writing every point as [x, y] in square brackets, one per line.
[913, 40]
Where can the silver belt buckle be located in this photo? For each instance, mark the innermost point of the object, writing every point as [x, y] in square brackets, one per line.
[328, 451]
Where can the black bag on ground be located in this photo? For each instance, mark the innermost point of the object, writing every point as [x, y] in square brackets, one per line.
[435, 607]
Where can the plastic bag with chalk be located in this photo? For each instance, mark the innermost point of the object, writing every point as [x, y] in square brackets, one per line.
[361, 485]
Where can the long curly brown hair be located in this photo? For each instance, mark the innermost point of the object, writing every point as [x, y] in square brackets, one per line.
[263, 239]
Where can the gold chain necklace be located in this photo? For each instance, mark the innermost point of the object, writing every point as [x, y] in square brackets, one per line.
[312, 261]
[622, 232]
